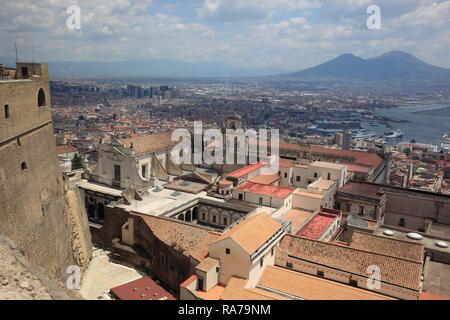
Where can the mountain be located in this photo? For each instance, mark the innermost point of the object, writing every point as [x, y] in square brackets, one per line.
[156, 68]
[389, 66]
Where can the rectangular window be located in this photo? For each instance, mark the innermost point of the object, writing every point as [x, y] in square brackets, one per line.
[144, 171]
[315, 175]
[329, 176]
[203, 216]
[25, 72]
[298, 178]
[214, 219]
[241, 196]
[200, 284]
[285, 174]
[260, 200]
[289, 265]
[227, 251]
[353, 283]
[225, 221]
[6, 111]
[402, 222]
[272, 251]
[320, 274]
[261, 262]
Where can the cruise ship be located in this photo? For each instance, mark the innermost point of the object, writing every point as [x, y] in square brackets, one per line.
[446, 142]
[393, 134]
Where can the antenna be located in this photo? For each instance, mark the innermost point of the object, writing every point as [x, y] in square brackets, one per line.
[17, 59]
[32, 58]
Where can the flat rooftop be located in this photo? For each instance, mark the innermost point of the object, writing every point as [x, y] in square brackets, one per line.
[316, 227]
[328, 165]
[144, 288]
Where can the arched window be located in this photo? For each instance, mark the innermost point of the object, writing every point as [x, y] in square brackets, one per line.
[100, 211]
[41, 98]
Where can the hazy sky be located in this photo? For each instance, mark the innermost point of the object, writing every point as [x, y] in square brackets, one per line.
[289, 34]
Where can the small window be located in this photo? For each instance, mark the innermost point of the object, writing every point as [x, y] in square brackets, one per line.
[402, 222]
[320, 273]
[285, 174]
[272, 252]
[261, 262]
[298, 178]
[353, 283]
[225, 221]
[217, 269]
[6, 111]
[315, 175]
[241, 196]
[214, 219]
[260, 200]
[203, 216]
[227, 251]
[24, 166]
[25, 72]
[41, 98]
[329, 176]
[289, 265]
[19, 143]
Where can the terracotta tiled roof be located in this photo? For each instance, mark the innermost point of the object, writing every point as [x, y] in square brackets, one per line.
[65, 148]
[396, 271]
[359, 157]
[364, 189]
[207, 264]
[297, 217]
[265, 179]
[141, 289]
[236, 290]
[189, 239]
[391, 247]
[246, 170]
[273, 191]
[309, 287]
[253, 232]
[316, 227]
[150, 143]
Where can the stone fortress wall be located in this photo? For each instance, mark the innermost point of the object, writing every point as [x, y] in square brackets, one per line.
[38, 211]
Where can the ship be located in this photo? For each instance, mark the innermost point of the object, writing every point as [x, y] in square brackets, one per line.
[393, 134]
[445, 146]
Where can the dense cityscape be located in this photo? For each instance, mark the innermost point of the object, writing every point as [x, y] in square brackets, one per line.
[161, 179]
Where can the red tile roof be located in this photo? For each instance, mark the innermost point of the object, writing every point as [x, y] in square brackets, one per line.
[246, 170]
[265, 179]
[65, 148]
[274, 191]
[141, 289]
[315, 228]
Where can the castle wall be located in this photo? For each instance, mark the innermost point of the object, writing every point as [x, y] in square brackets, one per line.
[38, 211]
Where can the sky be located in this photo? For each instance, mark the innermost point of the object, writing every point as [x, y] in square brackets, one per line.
[285, 34]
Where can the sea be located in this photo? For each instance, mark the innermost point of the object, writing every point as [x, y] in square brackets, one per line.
[425, 123]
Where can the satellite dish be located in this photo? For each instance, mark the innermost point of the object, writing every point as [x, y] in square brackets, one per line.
[388, 233]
